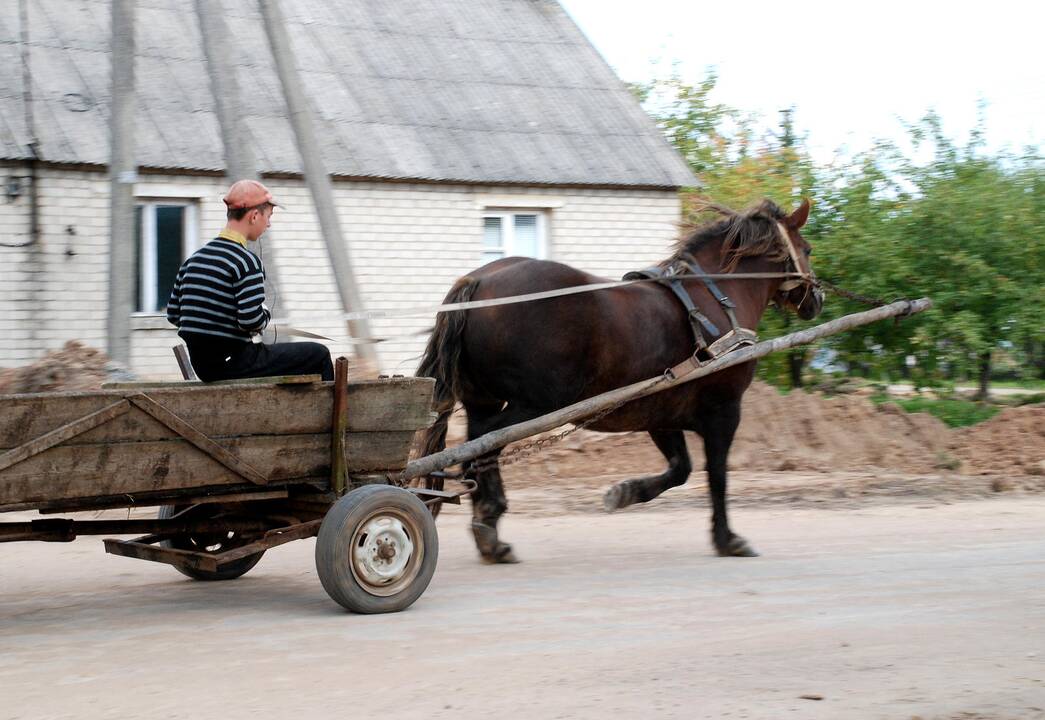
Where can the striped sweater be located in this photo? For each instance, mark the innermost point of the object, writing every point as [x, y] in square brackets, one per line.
[219, 292]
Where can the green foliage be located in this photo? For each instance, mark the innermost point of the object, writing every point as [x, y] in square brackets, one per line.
[952, 411]
[966, 229]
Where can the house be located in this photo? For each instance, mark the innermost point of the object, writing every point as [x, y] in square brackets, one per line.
[455, 131]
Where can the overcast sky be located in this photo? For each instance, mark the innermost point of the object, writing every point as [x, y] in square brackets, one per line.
[852, 70]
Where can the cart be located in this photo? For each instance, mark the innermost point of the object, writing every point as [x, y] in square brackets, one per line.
[241, 467]
[237, 468]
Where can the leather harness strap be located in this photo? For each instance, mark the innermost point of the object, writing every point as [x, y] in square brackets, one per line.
[698, 321]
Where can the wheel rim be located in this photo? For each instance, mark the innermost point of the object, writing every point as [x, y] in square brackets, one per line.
[215, 542]
[387, 550]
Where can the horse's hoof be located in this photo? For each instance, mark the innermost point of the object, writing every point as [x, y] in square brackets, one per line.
[491, 550]
[737, 547]
[503, 556]
[616, 498]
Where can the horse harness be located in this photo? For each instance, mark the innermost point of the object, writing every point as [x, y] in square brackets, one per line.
[737, 336]
[699, 323]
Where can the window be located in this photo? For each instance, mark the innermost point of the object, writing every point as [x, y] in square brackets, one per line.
[165, 234]
[514, 233]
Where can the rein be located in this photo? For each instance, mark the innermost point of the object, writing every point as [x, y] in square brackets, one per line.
[417, 310]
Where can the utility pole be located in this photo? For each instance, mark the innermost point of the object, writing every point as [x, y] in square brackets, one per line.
[316, 175]
[239, 156]
[240, 162]
[796, 357]
[122, 176]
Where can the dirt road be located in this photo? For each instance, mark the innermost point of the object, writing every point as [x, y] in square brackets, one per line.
[884, 611]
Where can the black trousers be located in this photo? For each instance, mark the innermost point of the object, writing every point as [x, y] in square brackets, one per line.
[228, 361]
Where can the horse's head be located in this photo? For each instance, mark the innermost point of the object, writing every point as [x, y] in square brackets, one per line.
[766, 240]
[800, 293]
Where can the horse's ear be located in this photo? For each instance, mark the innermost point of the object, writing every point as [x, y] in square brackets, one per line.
[798, 218]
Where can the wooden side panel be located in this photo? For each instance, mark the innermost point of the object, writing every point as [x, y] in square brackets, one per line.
[75, 471]
[223, 411]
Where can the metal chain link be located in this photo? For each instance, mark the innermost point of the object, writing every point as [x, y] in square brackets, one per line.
[849, 294]
[533, 447]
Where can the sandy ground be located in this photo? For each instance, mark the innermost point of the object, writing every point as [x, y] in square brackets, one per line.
[926, 608]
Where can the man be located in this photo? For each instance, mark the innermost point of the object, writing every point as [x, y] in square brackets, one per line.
[218, 301]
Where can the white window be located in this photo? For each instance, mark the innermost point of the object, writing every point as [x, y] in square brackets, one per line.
[166, 233]
[514, 233]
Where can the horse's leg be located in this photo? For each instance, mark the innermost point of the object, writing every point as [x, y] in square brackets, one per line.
[488, 500]
[628, 492]
[718, 429]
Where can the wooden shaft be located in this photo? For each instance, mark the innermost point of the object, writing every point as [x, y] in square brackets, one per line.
[586, 408]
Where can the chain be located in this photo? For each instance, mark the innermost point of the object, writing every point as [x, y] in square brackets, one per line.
[535, 446]
[848, 294]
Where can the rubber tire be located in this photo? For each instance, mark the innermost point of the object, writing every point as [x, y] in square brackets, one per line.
[230, 571]
[333, 548]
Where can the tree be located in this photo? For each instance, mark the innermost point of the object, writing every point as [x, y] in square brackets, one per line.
[965, 229]
[736, 169]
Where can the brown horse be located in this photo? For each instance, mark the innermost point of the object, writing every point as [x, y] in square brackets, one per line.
[510, 363]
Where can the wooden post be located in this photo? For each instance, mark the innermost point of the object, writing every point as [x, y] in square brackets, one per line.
[316, 176]
[338, 427]
[586, 408]
[122, 176]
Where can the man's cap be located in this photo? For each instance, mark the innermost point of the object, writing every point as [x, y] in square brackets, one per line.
[248, 194]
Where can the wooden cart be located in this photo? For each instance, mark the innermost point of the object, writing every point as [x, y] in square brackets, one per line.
[237, 468]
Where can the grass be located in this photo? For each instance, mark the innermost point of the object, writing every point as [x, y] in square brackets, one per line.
[954, 412]
[1030, 385]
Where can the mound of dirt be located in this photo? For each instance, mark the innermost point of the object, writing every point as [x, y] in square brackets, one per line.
[1010, 443]
[74, 367]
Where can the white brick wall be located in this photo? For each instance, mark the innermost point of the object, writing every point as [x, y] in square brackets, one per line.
[408, 243]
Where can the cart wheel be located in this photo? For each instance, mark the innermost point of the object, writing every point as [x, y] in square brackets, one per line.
[377, 549]
[212, 543]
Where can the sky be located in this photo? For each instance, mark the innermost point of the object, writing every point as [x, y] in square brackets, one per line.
[853, 72]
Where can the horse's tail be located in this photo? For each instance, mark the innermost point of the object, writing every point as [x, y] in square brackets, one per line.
[442, 362]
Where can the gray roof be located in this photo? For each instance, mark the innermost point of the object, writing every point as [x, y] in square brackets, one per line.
[457, 90]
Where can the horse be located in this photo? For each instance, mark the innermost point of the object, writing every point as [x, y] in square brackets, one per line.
[510, 363]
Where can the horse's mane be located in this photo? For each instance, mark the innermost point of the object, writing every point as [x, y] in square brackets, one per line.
[749, 233]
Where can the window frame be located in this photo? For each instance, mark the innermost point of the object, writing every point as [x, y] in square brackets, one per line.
[508, 230]
[147, 249]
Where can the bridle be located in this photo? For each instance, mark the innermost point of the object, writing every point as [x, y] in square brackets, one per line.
[806, 275]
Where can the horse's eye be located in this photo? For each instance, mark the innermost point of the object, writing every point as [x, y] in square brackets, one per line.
[808, 251]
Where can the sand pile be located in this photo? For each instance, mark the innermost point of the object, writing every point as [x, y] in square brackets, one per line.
[1010, 443]
[74, 367]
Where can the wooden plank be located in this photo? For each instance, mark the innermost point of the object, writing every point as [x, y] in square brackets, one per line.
[63, 434]
[110, 469]
[181, 354]
[224, 411]
[273, 380]
[194, 436]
